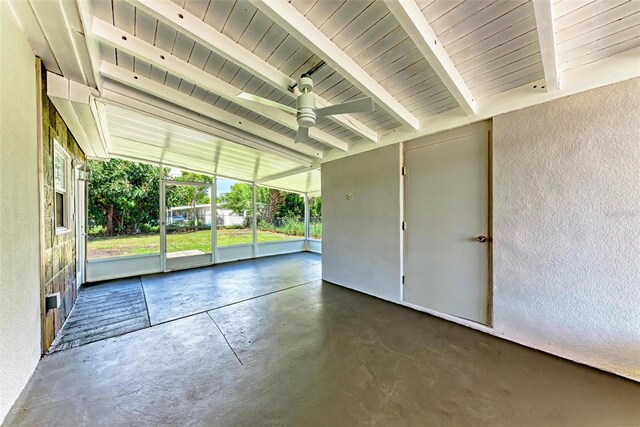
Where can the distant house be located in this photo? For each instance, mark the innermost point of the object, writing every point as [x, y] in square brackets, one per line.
[180, 215]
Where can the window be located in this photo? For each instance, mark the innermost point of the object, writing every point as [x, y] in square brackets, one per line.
[280, 215]
[315, 218]
[61, 171]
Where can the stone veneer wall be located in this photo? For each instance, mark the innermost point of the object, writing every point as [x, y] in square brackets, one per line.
[59, 250]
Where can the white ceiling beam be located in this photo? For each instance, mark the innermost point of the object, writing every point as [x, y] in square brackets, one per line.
[98, 111]
[415, 24]
[543, 10]
[613, 69]
[157, 57]
[286, 174]
[75, 102]
[183, 100]
[34, 33]
[58, 24]
[295, 23]
[91, 44]
[184, 22]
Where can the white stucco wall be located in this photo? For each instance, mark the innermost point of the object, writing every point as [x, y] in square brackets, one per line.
[361, 237]
[19, 212]
[566, 227]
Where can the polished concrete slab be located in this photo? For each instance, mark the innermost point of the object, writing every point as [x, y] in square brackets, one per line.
[182, 293]
[103, 311]
[318, 354]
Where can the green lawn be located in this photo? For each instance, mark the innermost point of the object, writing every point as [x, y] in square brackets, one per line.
[104, 247]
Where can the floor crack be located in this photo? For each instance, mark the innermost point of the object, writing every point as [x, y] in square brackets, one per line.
[225, 338]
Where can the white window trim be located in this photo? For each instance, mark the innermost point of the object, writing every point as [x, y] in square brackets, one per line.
[60, 151]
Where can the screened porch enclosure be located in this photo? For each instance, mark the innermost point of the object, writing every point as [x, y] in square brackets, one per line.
[160, 219]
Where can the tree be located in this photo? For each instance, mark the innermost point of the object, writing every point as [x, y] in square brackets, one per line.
[238, 199]
[315, 207]
[189, 195]
[272, 204]
[293, 207]
[269, 203]
[123, 195]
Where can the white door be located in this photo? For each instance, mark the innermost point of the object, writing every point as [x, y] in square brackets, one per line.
[188, 232]
[81, 227]
[447, 232]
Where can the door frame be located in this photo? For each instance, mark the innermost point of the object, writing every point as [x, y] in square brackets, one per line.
[80, 207]
[486, 127]
[197, 260]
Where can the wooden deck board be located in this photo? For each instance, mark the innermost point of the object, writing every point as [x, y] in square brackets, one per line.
[104, 311]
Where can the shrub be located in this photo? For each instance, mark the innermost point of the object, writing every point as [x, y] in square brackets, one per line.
[146, 228]
[96, 230]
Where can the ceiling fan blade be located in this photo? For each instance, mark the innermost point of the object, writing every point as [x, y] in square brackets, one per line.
[362, 105]
[265, 101]
[302, 135]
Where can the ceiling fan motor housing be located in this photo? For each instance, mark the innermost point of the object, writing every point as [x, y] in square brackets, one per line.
[306, 105]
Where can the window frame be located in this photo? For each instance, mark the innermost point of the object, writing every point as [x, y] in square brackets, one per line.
[64, 190]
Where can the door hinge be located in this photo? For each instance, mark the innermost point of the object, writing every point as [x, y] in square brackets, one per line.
[404, 171]
[403, 279]
[404, 225]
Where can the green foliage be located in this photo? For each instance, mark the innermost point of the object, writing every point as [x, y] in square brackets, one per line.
[272, 204]
[185, 195]
[123, 195]
[124, 199]
[238, 199]
[315, 207]
[293, 207]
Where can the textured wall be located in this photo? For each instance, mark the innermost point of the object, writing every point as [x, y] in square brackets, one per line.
[567, 227]
[19, 207]
[361, 237]
[59, 250]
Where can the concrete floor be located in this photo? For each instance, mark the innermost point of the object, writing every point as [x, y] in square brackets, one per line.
[122, 306]
[317, 354]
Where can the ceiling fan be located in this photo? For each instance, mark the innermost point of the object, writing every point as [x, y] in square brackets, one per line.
[306, 111]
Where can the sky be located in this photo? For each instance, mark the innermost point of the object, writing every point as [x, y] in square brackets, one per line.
[223, 185]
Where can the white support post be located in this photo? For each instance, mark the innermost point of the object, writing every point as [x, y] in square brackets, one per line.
[254, 220]
[163, 222]
[306, 221]
[214, 220]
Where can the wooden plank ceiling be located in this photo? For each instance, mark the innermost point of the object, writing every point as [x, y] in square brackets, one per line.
[170, 55]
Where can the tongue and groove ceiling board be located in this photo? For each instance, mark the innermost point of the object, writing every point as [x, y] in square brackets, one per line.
[491, 46]
[589, 31]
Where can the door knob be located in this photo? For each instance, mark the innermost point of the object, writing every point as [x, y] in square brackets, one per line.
[481, 239]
